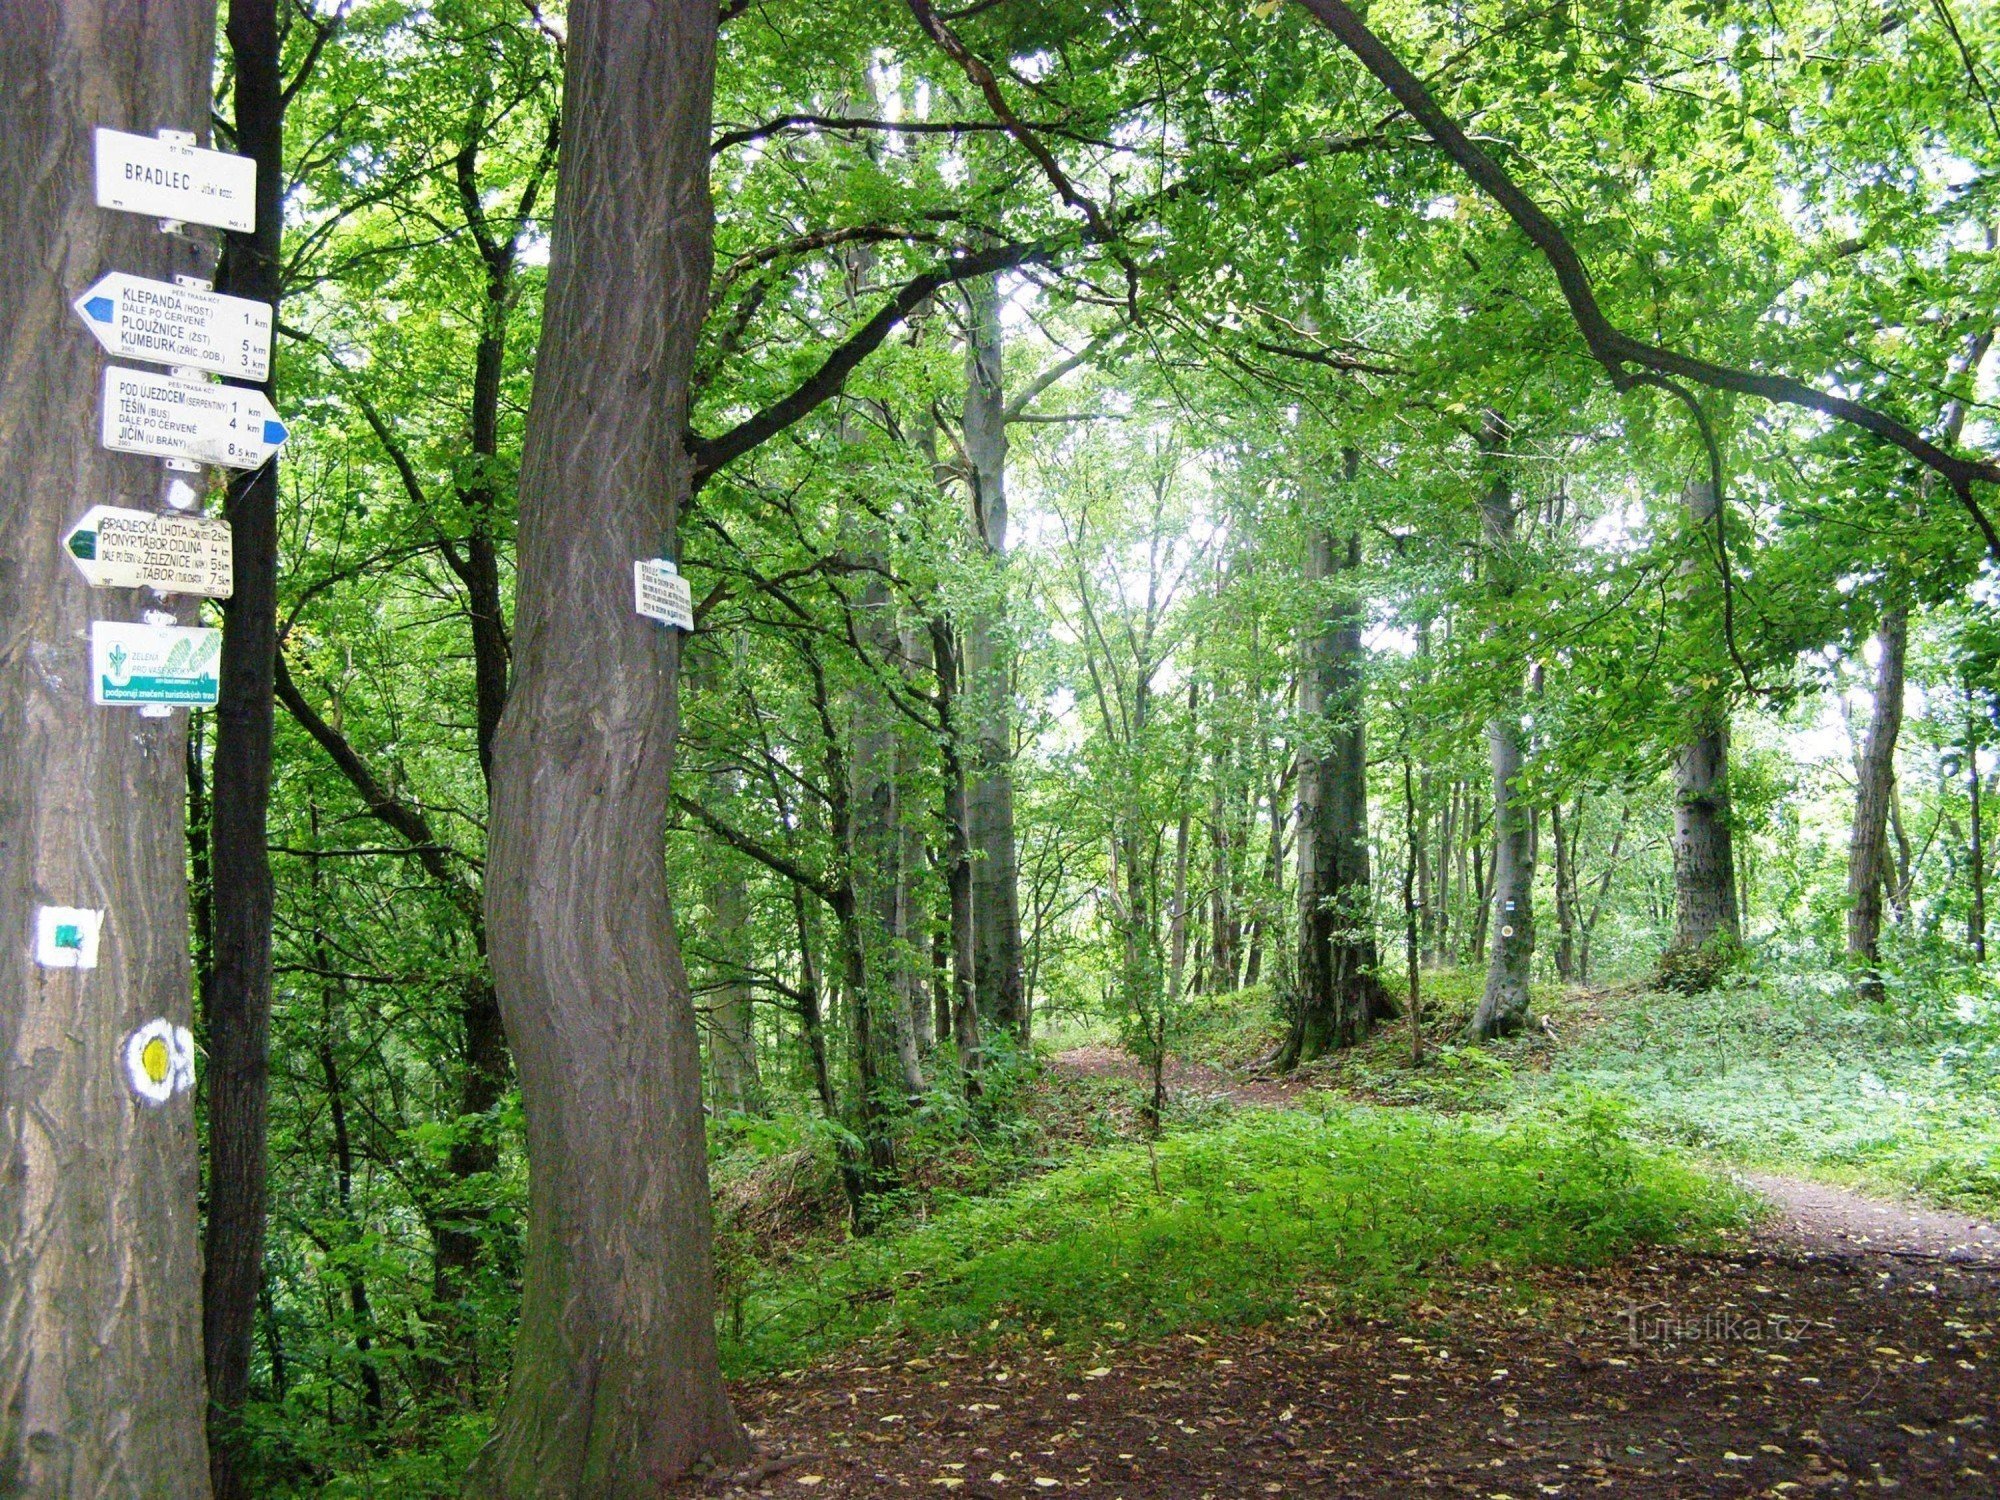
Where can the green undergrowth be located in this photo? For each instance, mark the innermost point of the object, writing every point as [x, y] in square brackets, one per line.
[1793, 1073]
[1227, 1224]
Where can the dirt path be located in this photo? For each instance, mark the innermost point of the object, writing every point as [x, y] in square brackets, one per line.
[1846, 1352]
[1819, 1219]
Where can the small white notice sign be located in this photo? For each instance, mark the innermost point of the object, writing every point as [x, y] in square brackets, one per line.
[169, 179]
[136, 318]
[66, 936]
[127, 549]
[660, 593]
[177, 666]
[167, 418]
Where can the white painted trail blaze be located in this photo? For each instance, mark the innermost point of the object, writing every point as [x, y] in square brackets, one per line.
[137, 318]
[162, 417]
[142, 174]
[159, 1061]
[66, 936]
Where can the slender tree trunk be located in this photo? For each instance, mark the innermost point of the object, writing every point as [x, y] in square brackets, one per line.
[101, 1389]
[238, 997]
[1413, 916]
[1975, 921]
[957, 860]
[1875, 785]
[732, 1042]
[875, 844]
[1564, 840]
[1339, 994]
[615, 1388]
[1503, 1008]
[989, 682]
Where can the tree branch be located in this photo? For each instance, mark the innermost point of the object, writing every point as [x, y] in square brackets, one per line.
[1614, 349]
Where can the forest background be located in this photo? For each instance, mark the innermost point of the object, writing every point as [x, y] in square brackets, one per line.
[1158, 534]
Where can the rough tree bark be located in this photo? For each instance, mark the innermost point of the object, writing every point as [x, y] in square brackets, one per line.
[989, 682]
[1875, 785]
[615, 1388]
[237, 999]
[1338, 993]
[1504, 1005]
[100, 1339]
[1704, 852]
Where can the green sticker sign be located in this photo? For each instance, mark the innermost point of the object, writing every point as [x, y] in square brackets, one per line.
[175, 665]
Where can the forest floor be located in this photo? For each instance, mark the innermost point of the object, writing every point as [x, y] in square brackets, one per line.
[1841, 1347]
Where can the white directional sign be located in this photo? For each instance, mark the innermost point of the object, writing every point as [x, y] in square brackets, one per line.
[128, 549]
[168, 418]
[660, 593]
[171, 665]
[169, 179]
[176, 325]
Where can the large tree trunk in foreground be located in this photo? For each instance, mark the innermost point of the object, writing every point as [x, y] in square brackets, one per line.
[615, 1388]
[1875, 787]
[1504, 1005]
[238, 997]
[996, 900]
[100, 1336]
[1338, 994]
[1704, 854]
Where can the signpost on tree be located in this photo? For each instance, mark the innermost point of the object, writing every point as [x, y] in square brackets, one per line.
[100, 1333]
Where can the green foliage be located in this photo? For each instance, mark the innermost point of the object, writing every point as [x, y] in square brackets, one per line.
[1789, 1071]
[1356, 1208]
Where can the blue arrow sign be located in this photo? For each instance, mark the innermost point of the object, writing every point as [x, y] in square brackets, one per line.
[102, 309]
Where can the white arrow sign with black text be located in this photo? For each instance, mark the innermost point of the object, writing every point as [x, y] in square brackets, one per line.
[127, 549]
[136, 318]
[167, 418]
[143, 174]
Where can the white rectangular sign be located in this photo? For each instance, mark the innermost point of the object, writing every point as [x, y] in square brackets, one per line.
[175, 665]
[136, 318]
[168, 418]
[128, 549]
[143, 174]
[660, 593]
[66, 936]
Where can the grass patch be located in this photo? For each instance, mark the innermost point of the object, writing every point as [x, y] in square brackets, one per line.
[1793, 1073]
[1367, 1206]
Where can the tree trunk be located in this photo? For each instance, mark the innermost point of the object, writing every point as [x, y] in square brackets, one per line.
[996, 900]
[876, 845]
[1503, 1008]
[732, 1042]
[1338, 993]
[957, 860]
[1875, 785]
[1975, 921]
[101, 1387]
[1704, 855]
[1565, 839]
[238, 997]
[615, 1388]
